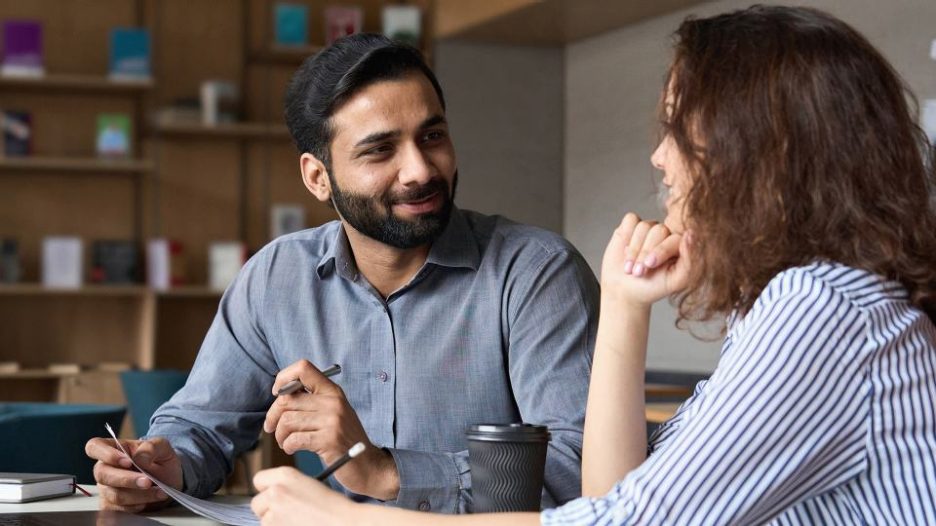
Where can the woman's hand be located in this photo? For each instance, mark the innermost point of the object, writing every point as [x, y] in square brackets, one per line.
[644, 262]
[287, 498]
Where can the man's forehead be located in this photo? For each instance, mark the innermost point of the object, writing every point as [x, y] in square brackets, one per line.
[387, 105]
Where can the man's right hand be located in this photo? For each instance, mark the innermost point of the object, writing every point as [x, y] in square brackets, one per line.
[121, 486]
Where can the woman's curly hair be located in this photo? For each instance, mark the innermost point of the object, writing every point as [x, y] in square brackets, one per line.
[803, 145]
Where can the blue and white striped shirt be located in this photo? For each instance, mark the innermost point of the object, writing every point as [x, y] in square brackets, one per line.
[822, 410]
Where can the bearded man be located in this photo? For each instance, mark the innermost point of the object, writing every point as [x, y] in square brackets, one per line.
[439, 317]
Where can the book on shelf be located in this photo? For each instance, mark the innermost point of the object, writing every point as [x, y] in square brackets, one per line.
[27, 487]
[9, 367]
[164, 264]
[290, 24]
[113, 135]
[64, 368]
[9, 261]
[62, 262]
[115, 262]
[341, 21]
[22, 49]
[286, 219]
[402, 23]
[112, 367]
[129, 54]
[17, 133]
[220, 100]
[225, 259]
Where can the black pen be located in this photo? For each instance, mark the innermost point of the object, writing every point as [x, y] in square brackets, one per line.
[355, 450]
[296, 385]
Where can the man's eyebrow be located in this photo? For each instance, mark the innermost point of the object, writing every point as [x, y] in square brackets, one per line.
[377, 137]
[432, 121]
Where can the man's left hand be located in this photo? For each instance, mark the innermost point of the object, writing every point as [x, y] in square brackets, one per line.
[322, 421]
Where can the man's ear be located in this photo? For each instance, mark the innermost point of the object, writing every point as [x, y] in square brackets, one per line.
[315, 177]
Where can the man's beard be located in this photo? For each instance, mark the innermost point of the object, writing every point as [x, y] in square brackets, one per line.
[373, 215]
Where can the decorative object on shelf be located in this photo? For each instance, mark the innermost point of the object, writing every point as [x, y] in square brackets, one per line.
[341, 21]
[129, 54]
[219, 102]
[225, 259]
[17, 133]
[403, 23]
[62, 261]
[115, 262]
[164, 268]
[291, 24]
[9, 261]
[22, 49]
[113, 135]
[286, 219]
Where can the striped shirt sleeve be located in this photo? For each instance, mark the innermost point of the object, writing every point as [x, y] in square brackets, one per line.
[783, 418]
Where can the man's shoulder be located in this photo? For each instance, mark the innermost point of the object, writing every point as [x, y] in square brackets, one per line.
[304, 247]
[498, 233]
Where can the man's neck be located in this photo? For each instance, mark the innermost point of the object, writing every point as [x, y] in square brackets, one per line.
[386, 268]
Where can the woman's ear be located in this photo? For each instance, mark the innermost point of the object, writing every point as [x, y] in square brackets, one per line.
[315, 177]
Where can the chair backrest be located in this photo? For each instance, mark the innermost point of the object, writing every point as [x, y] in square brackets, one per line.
[146, 391]
[51, 438]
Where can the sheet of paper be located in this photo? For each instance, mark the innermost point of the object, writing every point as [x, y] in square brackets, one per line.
[233, 514]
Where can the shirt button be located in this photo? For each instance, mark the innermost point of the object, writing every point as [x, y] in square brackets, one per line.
[424, 506]
[383, 376]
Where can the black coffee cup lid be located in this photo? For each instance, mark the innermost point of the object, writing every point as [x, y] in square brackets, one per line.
[515, 432]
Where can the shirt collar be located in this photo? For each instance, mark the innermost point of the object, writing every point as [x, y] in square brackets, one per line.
[455, 248]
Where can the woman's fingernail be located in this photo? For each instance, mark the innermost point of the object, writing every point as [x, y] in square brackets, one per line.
[638, 269]
[628, 266]
[650, 262]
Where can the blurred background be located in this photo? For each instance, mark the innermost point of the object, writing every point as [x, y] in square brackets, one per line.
[145, 155]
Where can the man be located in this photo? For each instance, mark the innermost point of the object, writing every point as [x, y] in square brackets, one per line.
[439, 318]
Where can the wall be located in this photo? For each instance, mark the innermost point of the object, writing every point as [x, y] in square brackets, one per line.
[505, 114]
[612, 83]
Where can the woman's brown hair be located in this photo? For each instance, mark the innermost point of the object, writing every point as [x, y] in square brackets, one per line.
[803, 146]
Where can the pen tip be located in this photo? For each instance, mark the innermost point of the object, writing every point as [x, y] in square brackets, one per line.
[356, 449]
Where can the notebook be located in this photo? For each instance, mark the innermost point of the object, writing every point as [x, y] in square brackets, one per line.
[27, 487]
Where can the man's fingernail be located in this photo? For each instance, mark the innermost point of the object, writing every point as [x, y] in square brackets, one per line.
[650, 261]
[628, 266]
[638, 269]
[142, 482]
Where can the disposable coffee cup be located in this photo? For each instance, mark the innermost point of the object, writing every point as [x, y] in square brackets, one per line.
[507, 463]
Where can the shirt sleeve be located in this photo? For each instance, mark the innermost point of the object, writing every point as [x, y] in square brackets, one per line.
[783, 418]
[552, 321]
[218, 413]
[552, 318]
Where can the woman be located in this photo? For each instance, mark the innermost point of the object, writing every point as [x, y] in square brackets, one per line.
[800, 205]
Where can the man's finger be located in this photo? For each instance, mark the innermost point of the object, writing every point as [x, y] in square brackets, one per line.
[119, 478]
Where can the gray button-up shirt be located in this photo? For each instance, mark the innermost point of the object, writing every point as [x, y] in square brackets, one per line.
[497, 326]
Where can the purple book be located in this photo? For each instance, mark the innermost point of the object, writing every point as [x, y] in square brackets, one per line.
[22, 47]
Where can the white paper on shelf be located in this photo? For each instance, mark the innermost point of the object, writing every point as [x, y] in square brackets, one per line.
[233, 514]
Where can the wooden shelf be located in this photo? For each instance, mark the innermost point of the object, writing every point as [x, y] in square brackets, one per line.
[35, 289]
[292, 56]
[75, 164]
[190, 291]
[82, 83]
[239, 130]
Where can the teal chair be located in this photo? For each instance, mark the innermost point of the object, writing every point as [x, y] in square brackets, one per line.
[50, 438]
[146, 391]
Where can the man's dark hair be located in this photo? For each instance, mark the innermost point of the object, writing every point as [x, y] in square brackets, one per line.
[329, 78]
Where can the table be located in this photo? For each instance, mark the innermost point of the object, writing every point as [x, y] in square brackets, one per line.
[172, 516]
[659, 412]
